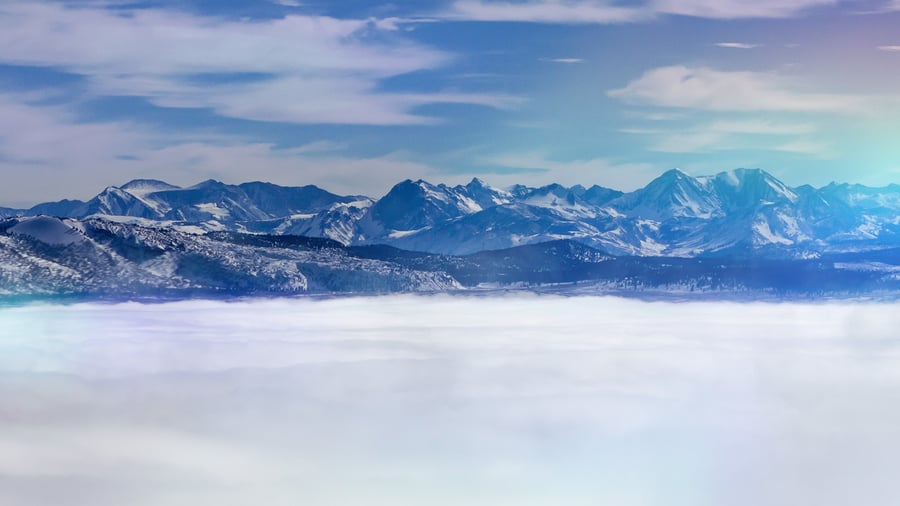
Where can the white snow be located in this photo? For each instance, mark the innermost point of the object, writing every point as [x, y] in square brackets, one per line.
[468, 205]
[651, 247]
[767, 236]
[144, 198]
[48, 230]
[360, 204]
[867, 266]
[165, 265]
[731, 178]
[214, 210]
[397, 234]
[190, 229]
[649, 224]
[791, 227]
[433, 195]
[213, 225]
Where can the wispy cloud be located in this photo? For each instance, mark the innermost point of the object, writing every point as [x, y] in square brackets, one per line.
[562, 60]
[888, 6]
[400, 23]
[87, 156]
[811, 147]
[709, 89]
[890, 49]
[736, 9]
[737, 45]
[654, 115]
[607, 12]
[306, 69]
[544, 11]
[762, 127]
[755, 134]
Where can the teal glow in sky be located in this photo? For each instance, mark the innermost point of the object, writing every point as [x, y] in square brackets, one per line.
[357, 95]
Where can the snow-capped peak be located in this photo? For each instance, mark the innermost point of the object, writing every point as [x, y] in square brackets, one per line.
[674, 193]
[147, 185]
[751, 187]
[48, 230]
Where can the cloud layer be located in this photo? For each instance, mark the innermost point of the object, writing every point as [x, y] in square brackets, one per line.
[608, 12]
[96, 92]
[125, 150]
[295, 69]
[710, 89]
[531, 400]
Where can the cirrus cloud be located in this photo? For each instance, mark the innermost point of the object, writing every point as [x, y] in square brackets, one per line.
[295, 69]
[734, 9]
[544, 11]
[705, 88]
[737, 45]
[87, 156]
[563, 60]
[608, 12]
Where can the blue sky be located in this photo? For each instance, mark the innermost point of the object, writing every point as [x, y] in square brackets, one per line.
[357, 95]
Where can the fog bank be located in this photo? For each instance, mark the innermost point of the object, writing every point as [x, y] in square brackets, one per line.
[443, 400]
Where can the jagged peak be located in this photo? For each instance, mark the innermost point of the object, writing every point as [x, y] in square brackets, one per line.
[477, 183]
[598, 188]
[148, 184]
[676, 173]
[673, 175]
[420, 188]
[409, 183]
[744, 174]
[268, 184]
[672, 178]
[552, 187]
[209, 183]
[755, 181]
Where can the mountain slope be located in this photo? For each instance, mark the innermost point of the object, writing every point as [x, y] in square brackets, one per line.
[740, 212]
[52, 256]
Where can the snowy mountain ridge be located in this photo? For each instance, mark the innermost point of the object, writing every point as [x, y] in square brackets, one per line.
[738, 212]
[47, 257]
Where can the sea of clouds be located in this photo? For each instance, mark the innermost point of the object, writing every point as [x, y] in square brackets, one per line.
[450, 400]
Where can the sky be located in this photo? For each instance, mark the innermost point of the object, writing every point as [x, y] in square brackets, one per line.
[449, 400]
[357, 95]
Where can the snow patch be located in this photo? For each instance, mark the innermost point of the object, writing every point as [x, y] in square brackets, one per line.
[764, 231]
[190, 229]
[214, 210]
[397, 234]
[48, 230]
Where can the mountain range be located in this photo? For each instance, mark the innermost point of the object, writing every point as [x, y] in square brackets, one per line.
[745, 212]
[738, 231]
